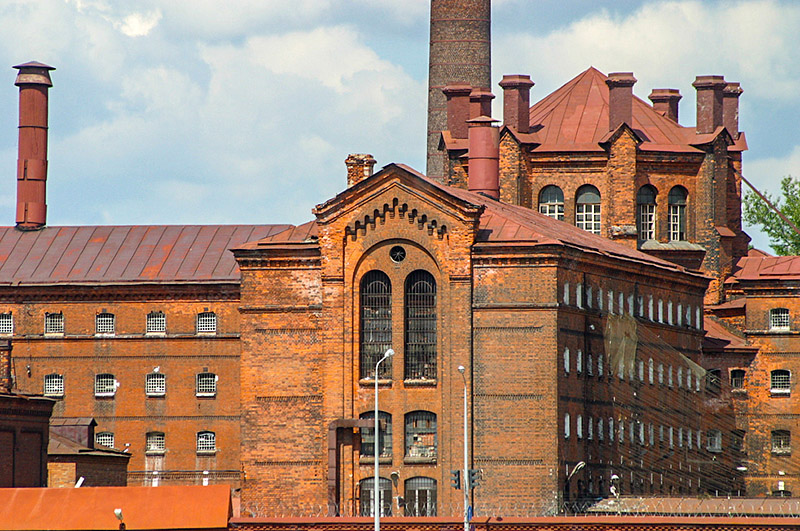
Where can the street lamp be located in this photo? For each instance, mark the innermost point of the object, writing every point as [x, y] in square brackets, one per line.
[465, 476]
[376, 509]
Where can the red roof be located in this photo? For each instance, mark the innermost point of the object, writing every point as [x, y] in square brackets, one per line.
[123, 254]
[768, 268]
[90, 508]
[719, 337]
[575, 118]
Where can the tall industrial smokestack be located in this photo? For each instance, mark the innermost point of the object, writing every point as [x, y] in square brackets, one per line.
[33, 81]
[460, 53]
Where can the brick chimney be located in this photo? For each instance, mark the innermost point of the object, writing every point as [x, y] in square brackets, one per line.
[457, 109]
[517, 102]
[709, 102]
[6, 381]
[484, 157]
[480, 103]
[34, 82]
[665, 101]
[359, 167]
[730, 108]
[620, 99]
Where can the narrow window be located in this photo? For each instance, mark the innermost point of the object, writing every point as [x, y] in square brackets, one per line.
[384, 435]
[714, 441]
[104, 324]
[155, 443]
[677, 213]
[611, 429]
[206, 323]
[420, 497]
[781, 442]
[420, 351]
[579, 362]
[54, 323]
[589, 365]
[421, 435]
[640, 364]
[376, 324]
[54, 385]
[104, 438]
[156, 323]
[669, 312]
[206, 442]
[551, 202]
[6, 323]
[566, 360]
[579, 295]
[650, 307]
[779, 319]
[737, 440]
[105, 385]
[600, 364]
[660, 311]
[587, 209]
[366, 500]
[660, 374]
[589, 428]
[650, 371]
[206, 384]
[669, 379]
[780, 382]
[566, 293]
[737, 379]
[600, 433]
[680, 377]
[680, 314]
[155, 384]
[646, 206]
[579, 427]
[566, 425]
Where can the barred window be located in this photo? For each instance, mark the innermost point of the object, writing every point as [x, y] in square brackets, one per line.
[156, 323]
[104, 324]
[206, 384]
[781, 442]
[551, 202]
[155, 384]
[737, 379]
[367, 501]
[714, 441]
[420, 497]
[105, 385]
[156, 443]
[206, 442]
[587, 209]
[780, 381]
[104, 438]
[779, 319]
[376, 324]
[677, 213]
[421, 435]
[54, 323]
[54, 385]
[6, 323]
[206, 323]
[420, 348]
[646, 204]
[384, 435]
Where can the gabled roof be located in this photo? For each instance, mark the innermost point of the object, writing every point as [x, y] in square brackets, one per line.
[575, 118]
[60, 445]
[769, 268]
[719, 338]
[124, 254]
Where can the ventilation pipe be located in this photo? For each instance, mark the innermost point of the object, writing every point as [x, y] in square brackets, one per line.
[484, 157]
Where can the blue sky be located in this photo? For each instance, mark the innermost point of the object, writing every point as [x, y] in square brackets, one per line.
[181, 111]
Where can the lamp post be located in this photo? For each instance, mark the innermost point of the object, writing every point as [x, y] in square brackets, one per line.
[376, 509]
[465, 476]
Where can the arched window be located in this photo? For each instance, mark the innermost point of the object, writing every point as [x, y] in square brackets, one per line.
[376, 324]
[646, 212]
[156, 323]
[366, 499]
[105, 385]
[420, 496]
[206, 442]
[587, 209]
[155, 443]
[206, 323]
[420, 347]
[780, 381]
[421, 435]
[677, 213]
[104, 438]
[155, 384]
[551, 202]
[104, 324]
[384, 435]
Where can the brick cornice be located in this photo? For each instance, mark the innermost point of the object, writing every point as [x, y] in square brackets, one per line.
[223, 291]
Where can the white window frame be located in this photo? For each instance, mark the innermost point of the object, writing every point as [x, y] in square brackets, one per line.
[588, 217]
[779, 320]
[155, 384]
[105, 385]
[54, 385]
[155, 443]
[778, 385]
[206, 384]
[104, 438]
[206, 442]
[156, 323]
[54, 324]
[105, 324]
[6, 324]
[206, 323]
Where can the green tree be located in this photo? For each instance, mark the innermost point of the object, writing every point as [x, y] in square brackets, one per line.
[756, 212]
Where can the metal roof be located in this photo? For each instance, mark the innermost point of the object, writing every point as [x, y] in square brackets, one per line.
[124, 254]
[768, 268]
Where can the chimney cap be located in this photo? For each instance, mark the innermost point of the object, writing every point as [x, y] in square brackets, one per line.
[516, 81]
[702, 82]
[457, 89]
[33, 73]
[481, 120]
[665, 94]
[479, 93]
[733, 88]
[621, 79]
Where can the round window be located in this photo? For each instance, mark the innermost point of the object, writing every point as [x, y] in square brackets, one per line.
[397, 254]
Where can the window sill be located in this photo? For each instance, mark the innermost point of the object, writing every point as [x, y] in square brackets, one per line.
[206, 395]
[780, 392]
[413, 382]
[104, 395]
[419, 460]
[367, 460]
[156, 395]
[386, 382]
[206, 334]
[715, 450]
[56, 397]
[53, 334]
[155, 452]
[105, 335]
[206, 452]
[155, 334]
[781, 452]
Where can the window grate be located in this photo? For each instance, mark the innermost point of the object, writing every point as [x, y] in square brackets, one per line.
[366, 487]
[206, 442]
[781, 442]
[384, 435]
[105, 385]
[156, 323]
[420, 497]
[780, 381]
[737, 379]
[54, 323]
[105, 438]
[421, 434]
[155, 384]
[420, 345]
[6, 323]
[156, 443]
[779, 319]
[54, 385]
[206, 323]
[376, 324]
[104, 323]
[206, 384]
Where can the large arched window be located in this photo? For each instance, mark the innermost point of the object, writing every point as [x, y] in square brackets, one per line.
[587, 209]
[551, 202]
[421, 435]
[384, 435]
[420, 345]
[420, 496]
[677, 213]
[376, 323]
[646, 212]
[366, 498]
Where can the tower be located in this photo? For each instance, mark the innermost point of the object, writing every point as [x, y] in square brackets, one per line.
[460, 52]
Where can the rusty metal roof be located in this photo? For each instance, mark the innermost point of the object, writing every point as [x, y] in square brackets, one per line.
[575, 118]
[768, 268]
[92, 508]
[718, 337]
[60, 445]
[124, 254]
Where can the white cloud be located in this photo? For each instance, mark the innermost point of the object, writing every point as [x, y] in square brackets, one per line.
[138, 24]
